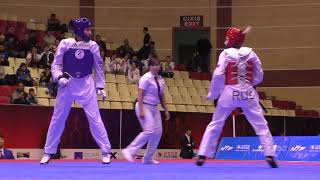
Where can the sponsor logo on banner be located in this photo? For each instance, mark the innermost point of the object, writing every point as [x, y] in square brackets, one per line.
[78, 155]
[243, 148]
[23, 155]
[226, 148]
[314, 148]
[168, 154]
[259, 149]
[298, 148]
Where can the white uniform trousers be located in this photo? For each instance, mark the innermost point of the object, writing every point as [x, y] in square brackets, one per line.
[83, 91]
[152, 130]
[255, 117]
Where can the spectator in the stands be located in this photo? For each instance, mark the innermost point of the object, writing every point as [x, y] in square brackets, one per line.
[133, 74]
[2, 39]
[53, 24]
[153, 48]
[103, 54]
[33, 58]
[125, 49]
[100, 42]
[46, 58]
[126, 63]
[62, 36]
[25, 45]
[31, 98]
[49, 39]
[19, 96]
[194, 63]
[33, 38]
[45, 78]
[139, 64]
[204, 48]
[169, 65]
[22, 73]
[3, 56]
[167, 68]
[145, 49]
[4, 152]
[116, 66]
[12, 42]
[3, 80]
[54, 47]
[29, 82]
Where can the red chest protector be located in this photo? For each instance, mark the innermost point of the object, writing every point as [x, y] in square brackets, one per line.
[232, 75]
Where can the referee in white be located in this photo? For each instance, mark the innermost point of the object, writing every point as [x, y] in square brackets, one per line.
[151, 93]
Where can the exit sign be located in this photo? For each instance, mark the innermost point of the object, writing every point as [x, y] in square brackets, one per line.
[191, 21]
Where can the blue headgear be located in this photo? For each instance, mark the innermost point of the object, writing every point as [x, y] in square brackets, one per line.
[78, 25]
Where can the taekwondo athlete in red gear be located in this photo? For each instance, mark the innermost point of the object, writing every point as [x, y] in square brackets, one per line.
[237, 72]
[72, 69]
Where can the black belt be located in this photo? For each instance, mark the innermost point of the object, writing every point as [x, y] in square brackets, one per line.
[150, 104]
[145, 103]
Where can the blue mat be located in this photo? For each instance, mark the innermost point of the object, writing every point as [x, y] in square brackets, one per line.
[165, 171]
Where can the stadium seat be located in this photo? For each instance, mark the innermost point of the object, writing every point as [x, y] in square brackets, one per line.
[168, 98]
[170, 82]
[11, 62]
[121, 79]
[5, 100]
[114, 96]
[43, 101]
[52, 102]
[205, 83]
[184, 74]
[111, 87]
[176, 75]
[186, 99]
[42, 92]
[123, 87]
[183, 91]
[188, 83]
[181, 108]
[177, 99]
[267, 103]
[201, 109]
[5, 90]
[191, 108]
[173, 90]
[76, 104]
[179, 82]
[104, 105]
[192, 91]
[110, 78]
[133, 88]
[127, 105]
[210, 109]
[197, 83]
[202, 91]
[26, 89]
[291, 113]
[171, 107]
[115, 105]
[18, 61]
[8, 70]
[196, 100]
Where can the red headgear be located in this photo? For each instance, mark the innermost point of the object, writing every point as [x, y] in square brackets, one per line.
[236, 36]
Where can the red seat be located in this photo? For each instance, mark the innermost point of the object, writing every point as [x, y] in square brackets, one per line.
[195, 75]
[299, 112]
[181, 67]
[21, 30]
[262, 95]
[3, 26]
[5, 90]
[40, 36]
[11, 24]
[4, 100]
